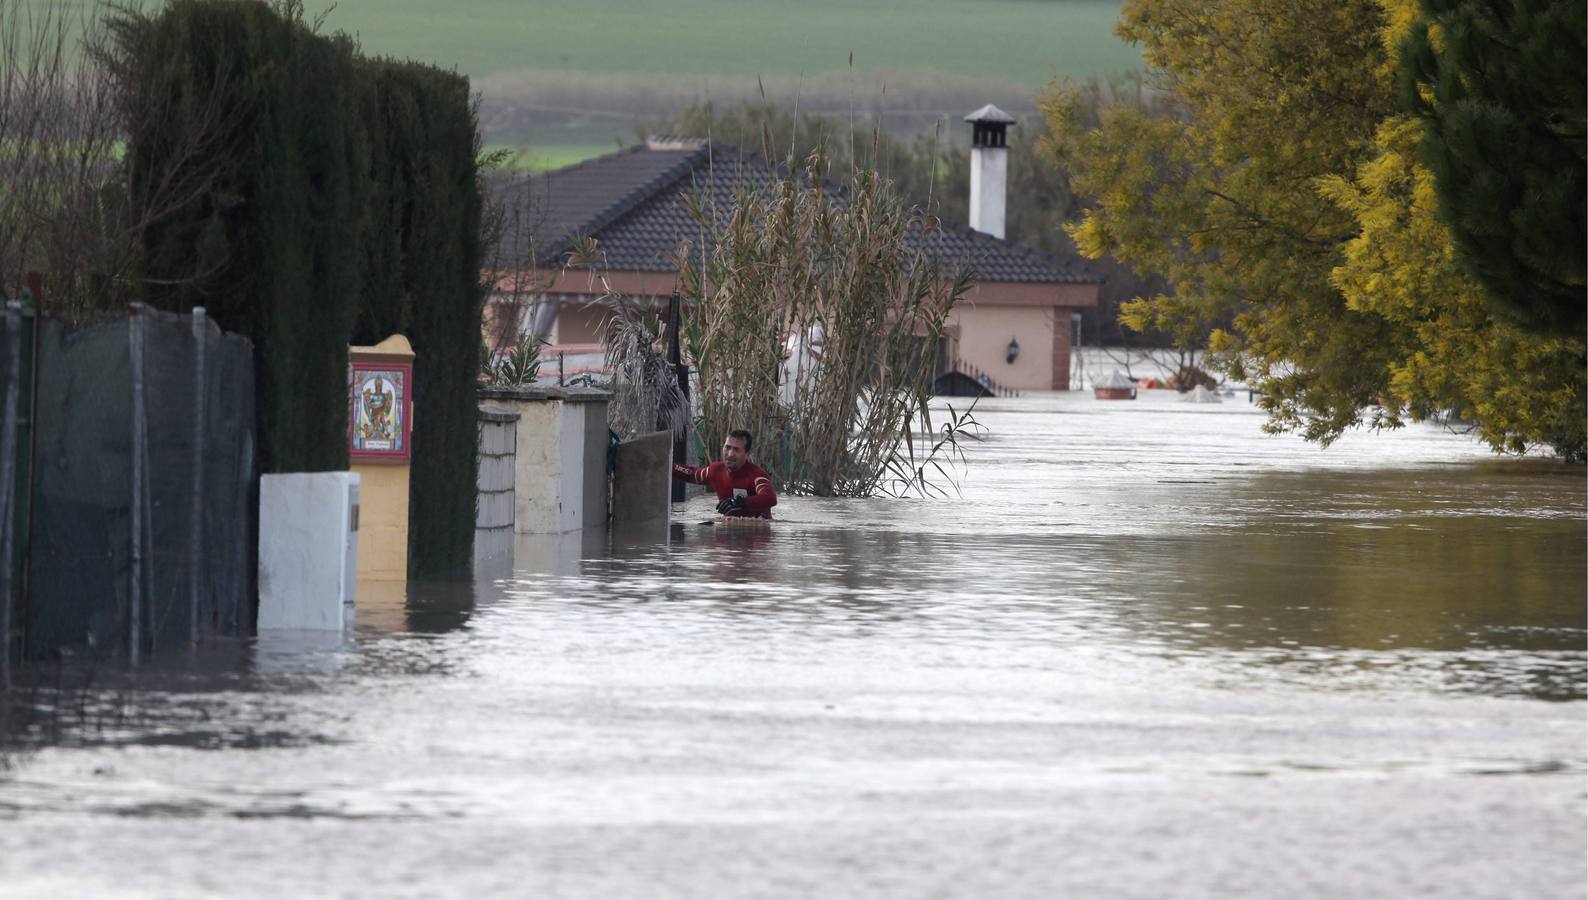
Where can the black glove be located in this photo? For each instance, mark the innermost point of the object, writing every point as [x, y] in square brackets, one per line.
[730, 505]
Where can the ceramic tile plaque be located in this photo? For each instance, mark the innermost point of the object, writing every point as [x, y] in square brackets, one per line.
[381, 411]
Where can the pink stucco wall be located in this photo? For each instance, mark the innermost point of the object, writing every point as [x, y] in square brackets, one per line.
[980, 335]
[984, 334]
[580, 325]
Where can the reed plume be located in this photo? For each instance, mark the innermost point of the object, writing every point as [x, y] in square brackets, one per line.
[815, 317]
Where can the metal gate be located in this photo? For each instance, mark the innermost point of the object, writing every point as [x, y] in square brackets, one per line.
[130, 453]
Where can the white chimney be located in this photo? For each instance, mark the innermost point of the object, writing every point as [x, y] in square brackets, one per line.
[989, 168]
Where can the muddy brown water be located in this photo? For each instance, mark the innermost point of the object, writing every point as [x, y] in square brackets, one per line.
[1148, 651]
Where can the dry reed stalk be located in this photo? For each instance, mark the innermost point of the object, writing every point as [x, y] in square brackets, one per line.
[645, 393]
[790, 258]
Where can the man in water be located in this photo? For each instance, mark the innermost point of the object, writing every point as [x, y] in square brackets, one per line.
[743, 488]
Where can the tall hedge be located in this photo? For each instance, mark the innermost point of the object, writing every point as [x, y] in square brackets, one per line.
[425, 256]
[339, 205]
[264, 109]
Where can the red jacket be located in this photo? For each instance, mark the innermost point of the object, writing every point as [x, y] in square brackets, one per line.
[751, 482]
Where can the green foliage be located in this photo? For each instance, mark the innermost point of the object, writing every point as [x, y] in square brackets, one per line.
[344, 208]
[518, 367]
[1275, 193]
[1215, 192]
[1516, 388]
[1502, 90]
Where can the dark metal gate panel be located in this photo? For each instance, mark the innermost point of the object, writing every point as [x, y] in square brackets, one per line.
[81, 529]
[141, 528]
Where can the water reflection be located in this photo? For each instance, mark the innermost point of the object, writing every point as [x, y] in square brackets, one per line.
[428, 606]
[1329, 578]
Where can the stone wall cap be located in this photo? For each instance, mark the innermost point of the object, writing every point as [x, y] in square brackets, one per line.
[581, 394]
[502, 392]
[566, 394]
[396, 345]
[489, 414]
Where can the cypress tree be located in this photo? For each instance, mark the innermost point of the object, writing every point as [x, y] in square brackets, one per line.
[1502, 89]
[269, 103]
[340, 204]
[426, 283]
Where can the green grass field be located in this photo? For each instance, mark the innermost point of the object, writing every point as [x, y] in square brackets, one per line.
[571, 81]
[1026, 42]
[542, 158]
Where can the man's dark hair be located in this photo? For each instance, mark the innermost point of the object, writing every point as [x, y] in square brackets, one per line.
[748, 439]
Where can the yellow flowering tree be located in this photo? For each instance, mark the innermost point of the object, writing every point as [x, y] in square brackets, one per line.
[1517, 387]
[1281, 194]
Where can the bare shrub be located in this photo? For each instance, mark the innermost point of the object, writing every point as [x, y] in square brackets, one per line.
[510, 215]
[59, 139]
[852, 272]
[68, 209]
[645, 392]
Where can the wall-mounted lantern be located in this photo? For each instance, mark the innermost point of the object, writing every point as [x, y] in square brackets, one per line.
[1014, 350]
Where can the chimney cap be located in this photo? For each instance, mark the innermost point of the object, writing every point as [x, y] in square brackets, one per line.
[991, 115]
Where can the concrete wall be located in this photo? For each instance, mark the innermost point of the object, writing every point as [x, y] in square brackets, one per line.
[642, 482]
[984, 333]
[560, 456]
[494, 508]
[597, 484]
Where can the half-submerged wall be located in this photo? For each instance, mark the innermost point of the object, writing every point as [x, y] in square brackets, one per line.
[494, 511]
[560, 465]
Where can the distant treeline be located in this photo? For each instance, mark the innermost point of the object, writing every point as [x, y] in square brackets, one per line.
[544, 107]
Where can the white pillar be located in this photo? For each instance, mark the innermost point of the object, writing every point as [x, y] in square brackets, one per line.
[308, 550]
[989, 179]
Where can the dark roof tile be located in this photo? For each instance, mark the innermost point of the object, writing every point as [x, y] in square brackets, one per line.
[633, 202]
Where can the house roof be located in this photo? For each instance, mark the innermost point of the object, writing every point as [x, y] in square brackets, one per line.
[633, 202]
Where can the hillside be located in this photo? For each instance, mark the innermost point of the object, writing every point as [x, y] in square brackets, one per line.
[555, 75]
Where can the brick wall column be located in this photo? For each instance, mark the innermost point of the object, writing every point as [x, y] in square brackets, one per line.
[1061, 348]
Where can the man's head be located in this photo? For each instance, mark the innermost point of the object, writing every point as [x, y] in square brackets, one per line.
[736, 449]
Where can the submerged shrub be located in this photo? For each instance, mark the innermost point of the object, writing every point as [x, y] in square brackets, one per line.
[815, 317]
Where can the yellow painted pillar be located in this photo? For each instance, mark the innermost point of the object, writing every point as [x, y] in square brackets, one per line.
[380, 388]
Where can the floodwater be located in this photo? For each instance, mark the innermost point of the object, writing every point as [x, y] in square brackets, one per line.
[1147, 652]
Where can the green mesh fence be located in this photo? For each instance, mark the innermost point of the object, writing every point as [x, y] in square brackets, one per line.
[141, 533]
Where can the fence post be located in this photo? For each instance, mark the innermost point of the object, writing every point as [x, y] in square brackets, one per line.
[247, 542]
[196, 534]
[8, 464]
[675, 316]
[135, 516]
